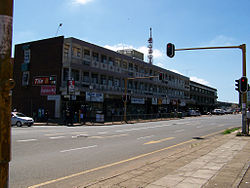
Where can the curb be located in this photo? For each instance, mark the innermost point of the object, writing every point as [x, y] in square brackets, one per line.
[241, 176]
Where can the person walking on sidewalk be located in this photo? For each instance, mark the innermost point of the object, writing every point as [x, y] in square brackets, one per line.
[248, 117]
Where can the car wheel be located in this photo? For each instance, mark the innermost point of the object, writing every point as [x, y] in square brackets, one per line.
[19, 124]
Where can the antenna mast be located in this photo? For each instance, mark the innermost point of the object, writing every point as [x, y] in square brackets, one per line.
[150, 48]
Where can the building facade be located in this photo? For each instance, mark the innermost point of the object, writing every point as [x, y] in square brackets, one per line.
[57, 73]
[202, 97]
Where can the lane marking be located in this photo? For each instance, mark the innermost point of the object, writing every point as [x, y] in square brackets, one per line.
[143, 128]
[107, 166]
[116, 163]
[27, 140]
[54, 134]
[56, 137]
[87, 147]
[181, 130]
[102, 132]
[111, 136]
[80, 135]
[145, 137]
[198, 127]
[158, 141]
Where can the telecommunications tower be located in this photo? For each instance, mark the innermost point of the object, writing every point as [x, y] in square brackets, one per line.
[150, 48]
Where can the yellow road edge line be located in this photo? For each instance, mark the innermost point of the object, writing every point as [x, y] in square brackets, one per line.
[158, 141]
[116, 163]
[106, 166]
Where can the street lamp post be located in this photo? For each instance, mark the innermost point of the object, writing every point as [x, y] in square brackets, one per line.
[90, 93]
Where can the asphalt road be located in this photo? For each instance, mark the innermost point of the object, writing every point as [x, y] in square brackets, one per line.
[49, 155]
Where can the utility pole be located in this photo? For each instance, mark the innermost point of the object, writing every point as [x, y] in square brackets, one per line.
[6, 83]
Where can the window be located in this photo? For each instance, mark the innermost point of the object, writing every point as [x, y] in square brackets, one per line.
[85, 77]
[65, 74]
[103, 59]
[75, 74]
[95, 78]
[25, 78]
[110, 81]
[103, 80]
[95, 56]
[116, 82]
[66, 50]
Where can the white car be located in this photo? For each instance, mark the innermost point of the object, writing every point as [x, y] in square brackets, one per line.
[20, 119]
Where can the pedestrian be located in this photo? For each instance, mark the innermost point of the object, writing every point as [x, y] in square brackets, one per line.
[67, 116]
[248, 118]
[46, 116]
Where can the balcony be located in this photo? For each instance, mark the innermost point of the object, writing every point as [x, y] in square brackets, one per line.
[103, 66]
[95, 64]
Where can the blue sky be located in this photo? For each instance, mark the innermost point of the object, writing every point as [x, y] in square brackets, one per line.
[117, 24]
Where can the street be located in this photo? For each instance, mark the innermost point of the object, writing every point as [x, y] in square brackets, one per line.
[48, 155]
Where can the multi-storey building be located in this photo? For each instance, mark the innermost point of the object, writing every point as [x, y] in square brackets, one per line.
[55, 73]
[202, 97]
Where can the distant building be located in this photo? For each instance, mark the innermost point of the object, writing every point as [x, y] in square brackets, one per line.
[132, 53]
[203, 97]
[56, 73]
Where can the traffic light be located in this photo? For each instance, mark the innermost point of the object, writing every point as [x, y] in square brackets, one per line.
[237, 84]
[170, 50]
[243, 84]
[160, 76]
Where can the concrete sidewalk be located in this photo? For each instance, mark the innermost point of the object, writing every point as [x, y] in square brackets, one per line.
[214, 161]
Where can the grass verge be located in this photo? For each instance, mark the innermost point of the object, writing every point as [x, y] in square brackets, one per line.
[228, 131]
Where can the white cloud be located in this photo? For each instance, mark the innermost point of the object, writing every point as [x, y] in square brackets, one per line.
[199, 80]
[176, 71]
[81, 2]
[143, 49]
[222, 40]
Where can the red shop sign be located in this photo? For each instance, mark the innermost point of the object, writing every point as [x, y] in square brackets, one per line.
[48, 90]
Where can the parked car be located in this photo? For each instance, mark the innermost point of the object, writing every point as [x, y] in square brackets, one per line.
[218, 112]
[194, 113]
[20, 119]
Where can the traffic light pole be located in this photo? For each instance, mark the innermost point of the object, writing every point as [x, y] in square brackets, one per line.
[6, 83]
[245, 129]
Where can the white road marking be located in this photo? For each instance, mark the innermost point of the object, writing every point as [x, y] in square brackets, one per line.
[145, 137]
[143, 128]
[222, 125]
[56, 137]
[53, 134]
[198, 127]
[80, 135]
[27, 140]
[102, 132]
[181, 130]
[87, 147]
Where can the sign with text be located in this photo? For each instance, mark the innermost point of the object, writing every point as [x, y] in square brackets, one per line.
[71, 86]
[95, 97]
[137, 100]
[48, 90]
[44, 80]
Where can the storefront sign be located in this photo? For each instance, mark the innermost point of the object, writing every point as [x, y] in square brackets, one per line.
[95, 97]
[44, 80]
[137, 100]
[71, 86]
[48, 90]
[53, 97]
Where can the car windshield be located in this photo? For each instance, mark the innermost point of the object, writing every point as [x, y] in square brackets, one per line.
[20, 115]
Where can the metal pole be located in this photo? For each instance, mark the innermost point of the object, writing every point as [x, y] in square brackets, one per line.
[125, 101]
[244, 95]
[6, 83]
